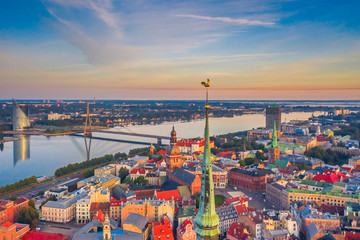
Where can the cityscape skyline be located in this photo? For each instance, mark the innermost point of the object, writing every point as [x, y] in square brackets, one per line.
[145, 50]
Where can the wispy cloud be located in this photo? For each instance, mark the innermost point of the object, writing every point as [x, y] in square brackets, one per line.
[236, 21]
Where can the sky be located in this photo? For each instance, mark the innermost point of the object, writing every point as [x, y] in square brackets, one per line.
[144, 49]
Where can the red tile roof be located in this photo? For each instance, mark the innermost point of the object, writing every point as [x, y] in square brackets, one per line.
[7, 224]
[329, 177]
[34, 235]
[151, 161]
[185, 225]
[95, 206]
[100, 216]
[332, 209]
[243, 210]
[352, 235]
[169, 195]
[236, 200]
[20, 200]
[114, 202]
[221, 154]
[161, 152]
[237, 231]
[162, 230]
[138, 170]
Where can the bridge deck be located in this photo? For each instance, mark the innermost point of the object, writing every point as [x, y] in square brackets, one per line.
[134, 134]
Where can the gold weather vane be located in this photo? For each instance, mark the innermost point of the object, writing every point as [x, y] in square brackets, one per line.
[206, 84]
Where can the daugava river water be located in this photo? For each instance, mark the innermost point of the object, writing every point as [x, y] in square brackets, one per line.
[40, 155]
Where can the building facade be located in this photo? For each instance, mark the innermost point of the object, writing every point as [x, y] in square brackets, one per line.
[185, 231]
[9, 210]
[252, 179]
[154, 210]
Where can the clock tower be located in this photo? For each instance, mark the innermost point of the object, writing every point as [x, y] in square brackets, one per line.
[106, 228]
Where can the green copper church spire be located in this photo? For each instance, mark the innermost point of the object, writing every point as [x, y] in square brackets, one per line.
[274, 143]
[207, 220]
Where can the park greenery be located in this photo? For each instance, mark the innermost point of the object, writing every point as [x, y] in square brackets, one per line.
[219, 200]
[29, 215]
[328, 156]
[123, 172]
[141, 180]
[353, 130]
[235, 144]
[20, 184]
[72, 167]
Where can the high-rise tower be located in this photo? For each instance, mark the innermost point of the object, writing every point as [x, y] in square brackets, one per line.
[207, 221]
[273, 114]
[20, 116]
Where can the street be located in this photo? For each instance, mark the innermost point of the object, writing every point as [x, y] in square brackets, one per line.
[31, 193]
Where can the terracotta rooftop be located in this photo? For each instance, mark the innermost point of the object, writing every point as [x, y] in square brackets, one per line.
[237, 231]
[184, 226]
[169, 195]
[34, 235]
[20, 200]
[7, 224]
[138, 171]
[162, 230]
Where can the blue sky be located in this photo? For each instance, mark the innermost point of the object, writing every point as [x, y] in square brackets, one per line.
[162, 49]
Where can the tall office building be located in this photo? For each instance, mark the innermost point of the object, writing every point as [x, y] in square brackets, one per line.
[273, 114]
[207, 220]
[20, 116]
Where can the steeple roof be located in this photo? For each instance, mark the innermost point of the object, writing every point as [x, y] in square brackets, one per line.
[274, 143]
[207, 220]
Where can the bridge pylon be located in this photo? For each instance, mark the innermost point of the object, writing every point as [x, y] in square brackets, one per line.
[87, 128]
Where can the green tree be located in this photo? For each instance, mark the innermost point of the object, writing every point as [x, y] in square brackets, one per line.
[41, 193]
[31, 203]
[89, 173]
[119, 155]
[141, 180]
[123, 172]
[259, 155]
[128, 180]
[249, 161]
[242, 163]
[12, 198]
[28, 215]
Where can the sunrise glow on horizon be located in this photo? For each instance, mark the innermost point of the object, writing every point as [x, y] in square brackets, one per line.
[72, 49]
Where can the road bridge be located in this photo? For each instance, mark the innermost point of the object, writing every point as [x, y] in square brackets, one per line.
[158, 137]
[115, 140]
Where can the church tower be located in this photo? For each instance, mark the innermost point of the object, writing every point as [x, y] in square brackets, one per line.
[207, 221]
[173, 139]
[106, 228]
[152, 149]
[274, 150]
[173, 156]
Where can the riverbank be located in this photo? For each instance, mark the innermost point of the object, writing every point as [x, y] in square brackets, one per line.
[9, 140]
[78, 173]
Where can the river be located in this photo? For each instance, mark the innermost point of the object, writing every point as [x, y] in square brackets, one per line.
[40, 155]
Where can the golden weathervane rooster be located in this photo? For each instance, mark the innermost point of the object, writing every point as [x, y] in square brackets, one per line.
[206, 84]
